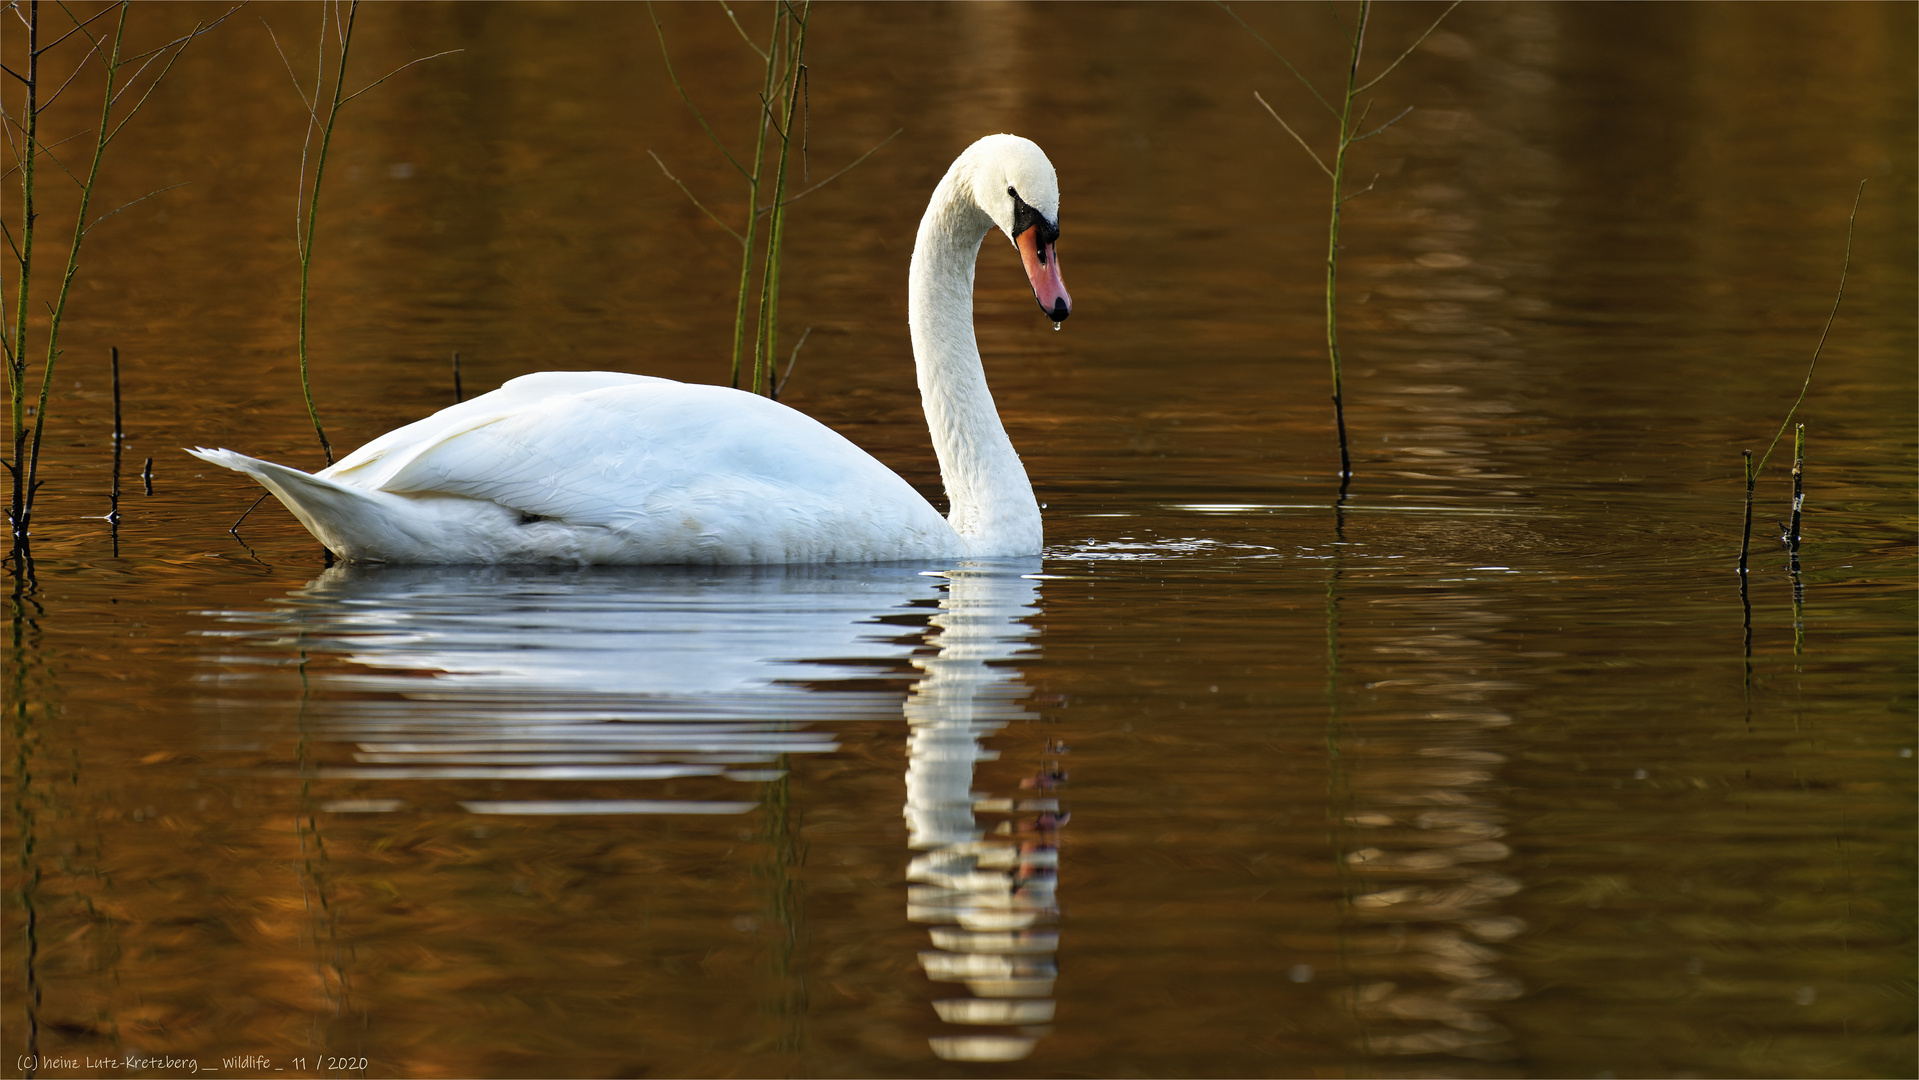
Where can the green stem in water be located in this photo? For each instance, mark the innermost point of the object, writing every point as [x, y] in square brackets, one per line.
[313, 214]
[73, 256]
[1798, 490]
[763, 351]
[17, 352]
[1745, 536]
[1348, 135]
[753, 196]
[1346, 140]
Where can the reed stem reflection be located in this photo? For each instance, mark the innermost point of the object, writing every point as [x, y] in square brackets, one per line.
[1420, 845]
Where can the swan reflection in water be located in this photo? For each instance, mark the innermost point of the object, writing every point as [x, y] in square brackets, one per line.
[602, 674]
[988, 893]
[664, 673]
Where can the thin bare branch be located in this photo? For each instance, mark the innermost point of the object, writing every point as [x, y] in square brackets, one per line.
[151, 86]
[1845, 269]
[313, 121]
[78, 67]
[305, 233]
[8, 124]
[791, 363]
[146, 59]
[134, 80]
[297, 88]
[47, 152]
[1295, 135]
[13, 147]
[695, 198]
[235, 527]
[772, 114]
[300, 194]
[198, 29]
[1370, 83]
[1314, 90]
[78, 27]
[396, 71]
[1382, 127]
[1359, 49]
[319, 64]
[1341, 23]
[748, 38]
[45, 148]
[1344, 199]
[684, 96]
[141, 199]
[15, 74]
[837, 175]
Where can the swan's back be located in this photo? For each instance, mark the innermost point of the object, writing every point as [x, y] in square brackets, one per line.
[371, 465]
[601, 467]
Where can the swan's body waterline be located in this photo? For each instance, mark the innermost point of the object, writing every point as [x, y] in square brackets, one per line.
[602, 467]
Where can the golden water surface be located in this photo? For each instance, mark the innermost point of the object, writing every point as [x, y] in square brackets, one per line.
[1487, 772]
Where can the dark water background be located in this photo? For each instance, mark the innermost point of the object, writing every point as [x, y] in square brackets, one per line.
[1487, 775]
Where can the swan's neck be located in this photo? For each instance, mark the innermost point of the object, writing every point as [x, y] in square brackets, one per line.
[993, 509]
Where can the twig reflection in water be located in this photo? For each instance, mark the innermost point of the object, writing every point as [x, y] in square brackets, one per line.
[1421, 836]
[991, 900]
[119, 444]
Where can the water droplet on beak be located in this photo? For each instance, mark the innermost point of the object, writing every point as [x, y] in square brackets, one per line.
[1056, 326]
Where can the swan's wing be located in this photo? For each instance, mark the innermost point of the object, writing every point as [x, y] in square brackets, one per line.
[719, 466]
[373, 465]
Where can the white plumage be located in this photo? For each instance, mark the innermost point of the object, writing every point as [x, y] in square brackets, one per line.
[603, 467]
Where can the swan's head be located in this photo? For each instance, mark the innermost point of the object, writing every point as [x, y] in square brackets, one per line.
[1015, 185]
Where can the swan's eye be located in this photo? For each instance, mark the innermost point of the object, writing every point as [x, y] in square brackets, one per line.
[1025, 217]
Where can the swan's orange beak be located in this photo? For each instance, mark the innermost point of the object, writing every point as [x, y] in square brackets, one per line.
[1042, 269]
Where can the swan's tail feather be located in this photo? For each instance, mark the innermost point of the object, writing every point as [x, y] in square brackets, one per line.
[341, 516]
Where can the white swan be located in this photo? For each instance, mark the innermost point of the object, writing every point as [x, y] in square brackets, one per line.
[603, 467]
